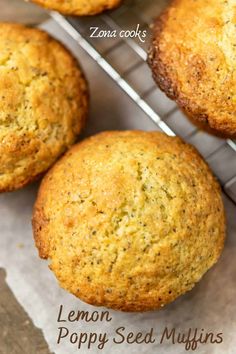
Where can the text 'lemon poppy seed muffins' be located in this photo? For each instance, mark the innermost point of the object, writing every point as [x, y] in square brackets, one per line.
[43, 103]
[129, 220]
[193, 59]
[79, 7]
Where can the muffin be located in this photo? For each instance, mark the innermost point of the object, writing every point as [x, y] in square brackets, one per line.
[43, 103]
[129, 220]
[79, 7]
[193, 59]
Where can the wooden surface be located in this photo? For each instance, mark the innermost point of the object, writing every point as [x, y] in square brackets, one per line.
[18, 335]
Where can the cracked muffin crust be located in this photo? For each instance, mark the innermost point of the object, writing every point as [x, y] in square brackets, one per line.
[129, 220]
[43, 103]
[79, 7]
[193, 59]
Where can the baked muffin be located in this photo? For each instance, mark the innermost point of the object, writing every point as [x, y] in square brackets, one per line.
[79, 7]
[43, 103]
[193, 59]
[129, 220]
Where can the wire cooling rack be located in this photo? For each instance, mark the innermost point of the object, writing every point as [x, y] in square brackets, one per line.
[124, 59]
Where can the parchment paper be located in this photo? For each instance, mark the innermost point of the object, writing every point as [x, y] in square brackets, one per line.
[210, 306]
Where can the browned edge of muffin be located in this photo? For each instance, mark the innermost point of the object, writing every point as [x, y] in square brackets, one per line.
[76, 13]
[160, 73]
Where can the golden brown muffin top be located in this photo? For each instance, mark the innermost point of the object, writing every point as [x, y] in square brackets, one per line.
[79, 7]
[43, 103]
[129, 220]
[193, 57]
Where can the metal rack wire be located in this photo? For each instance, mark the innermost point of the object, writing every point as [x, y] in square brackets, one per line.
[124, 60]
